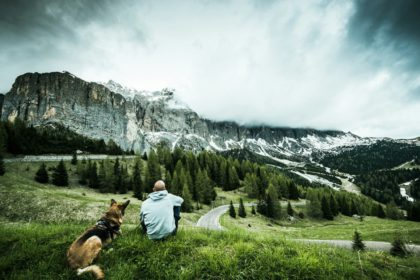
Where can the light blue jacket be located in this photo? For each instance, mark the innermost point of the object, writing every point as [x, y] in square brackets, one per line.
[157, 213]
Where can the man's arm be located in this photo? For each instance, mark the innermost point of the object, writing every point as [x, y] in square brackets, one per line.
[176, 200]
[142, 224]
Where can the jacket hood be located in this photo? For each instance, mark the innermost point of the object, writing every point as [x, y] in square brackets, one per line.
[158, 195]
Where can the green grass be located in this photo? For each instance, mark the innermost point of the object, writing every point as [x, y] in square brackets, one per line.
[39, 222]
[37, 251]
[342, 228]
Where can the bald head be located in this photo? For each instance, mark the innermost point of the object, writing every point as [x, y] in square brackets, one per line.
[159, 186]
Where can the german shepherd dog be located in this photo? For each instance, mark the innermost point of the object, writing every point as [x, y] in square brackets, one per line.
[86, 248]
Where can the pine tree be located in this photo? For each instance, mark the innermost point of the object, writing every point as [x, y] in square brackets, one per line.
[82, 171]
[102, 177]
[241, 211]
[326, 210]
[117, 178]
[93, 176]
[233, 179]
[345, 207]
[222, 174]
[41, 176]
[187, 205]
[205, 188]
[333, 205]
[358, 244]
[116, 166]
[251, 185]
[398, 247]
[290, 211]
[413, 212]
[123, 180]
[59, 176]
[2, 167]
[293, 190]
[314, 208]
[253, 212]
[74, 159]
[380, 211]
[232, 211]
[137, 181]
[178, 179]
[354, 208]
[153, 173]
[392, 211]
[273, 204]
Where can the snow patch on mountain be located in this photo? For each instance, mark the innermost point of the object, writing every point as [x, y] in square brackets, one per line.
[313, 178]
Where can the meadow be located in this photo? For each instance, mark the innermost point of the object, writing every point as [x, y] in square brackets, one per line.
[38, 223]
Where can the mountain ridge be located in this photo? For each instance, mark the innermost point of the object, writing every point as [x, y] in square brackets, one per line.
[145, 119]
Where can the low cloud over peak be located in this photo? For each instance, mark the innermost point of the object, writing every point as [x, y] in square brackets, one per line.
[347, 65]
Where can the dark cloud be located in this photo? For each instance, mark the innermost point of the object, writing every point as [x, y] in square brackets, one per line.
[325, 64]
[35, 20]
[388, 24]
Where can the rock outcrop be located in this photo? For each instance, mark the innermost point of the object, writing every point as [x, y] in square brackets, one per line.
[142, 120]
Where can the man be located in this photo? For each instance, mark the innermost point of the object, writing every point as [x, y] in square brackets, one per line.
[159, 213]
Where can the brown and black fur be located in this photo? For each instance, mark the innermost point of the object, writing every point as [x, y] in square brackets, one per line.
[86, 248]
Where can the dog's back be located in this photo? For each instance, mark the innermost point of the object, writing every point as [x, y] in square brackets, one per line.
[86, 248]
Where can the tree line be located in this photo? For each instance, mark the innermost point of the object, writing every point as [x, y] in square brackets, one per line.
[18, 138]
[383, 185]
[367, 158]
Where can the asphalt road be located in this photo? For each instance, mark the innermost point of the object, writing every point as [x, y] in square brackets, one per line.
[211, 220]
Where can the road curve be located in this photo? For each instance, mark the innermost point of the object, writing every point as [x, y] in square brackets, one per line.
[211, 220]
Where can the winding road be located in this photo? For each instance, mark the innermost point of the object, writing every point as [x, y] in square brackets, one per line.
[211, 220]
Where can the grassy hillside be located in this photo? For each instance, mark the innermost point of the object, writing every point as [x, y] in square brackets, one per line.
[343, 227]
[39, 222]
[34, 251]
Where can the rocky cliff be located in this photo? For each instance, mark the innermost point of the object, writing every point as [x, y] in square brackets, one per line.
[139, 120]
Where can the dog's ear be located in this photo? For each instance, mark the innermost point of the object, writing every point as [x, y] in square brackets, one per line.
[124, 205]
[113, 202]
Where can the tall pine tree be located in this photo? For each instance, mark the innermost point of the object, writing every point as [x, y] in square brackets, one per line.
[290, 211]
[241, 211]
[333, 205]
[273, 203]
[41, 176]
[232, 211]
[153, 173]
[93, 176]
[60, 176]
[326, 210]
[187, 205]
[358, 244]
[137, 181]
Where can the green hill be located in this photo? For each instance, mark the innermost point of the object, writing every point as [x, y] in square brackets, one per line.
[39, 222]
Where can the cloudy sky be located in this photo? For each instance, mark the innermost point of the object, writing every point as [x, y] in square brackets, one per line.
[347, 65]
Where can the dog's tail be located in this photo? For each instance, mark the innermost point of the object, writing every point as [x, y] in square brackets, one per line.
[96, 270]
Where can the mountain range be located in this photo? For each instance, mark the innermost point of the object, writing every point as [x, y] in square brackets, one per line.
[140, 120]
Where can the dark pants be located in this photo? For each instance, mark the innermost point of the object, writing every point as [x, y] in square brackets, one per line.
[177, 216]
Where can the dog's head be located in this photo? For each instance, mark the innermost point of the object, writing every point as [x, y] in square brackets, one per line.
[115, 213]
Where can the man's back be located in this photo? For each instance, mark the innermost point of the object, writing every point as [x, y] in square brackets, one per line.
[157, 214]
